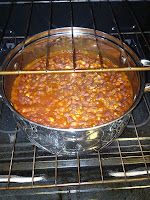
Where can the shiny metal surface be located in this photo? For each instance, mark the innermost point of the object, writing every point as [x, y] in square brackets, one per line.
[147, 87]
[70, 141]
[130, 155]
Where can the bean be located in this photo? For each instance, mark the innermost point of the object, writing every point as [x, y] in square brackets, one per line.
[76, 100]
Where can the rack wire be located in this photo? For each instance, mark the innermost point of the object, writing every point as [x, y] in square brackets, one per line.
[94, 26]
[118, 155]
[122, 165]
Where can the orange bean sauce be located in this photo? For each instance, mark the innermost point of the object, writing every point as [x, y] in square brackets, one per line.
[74, 100]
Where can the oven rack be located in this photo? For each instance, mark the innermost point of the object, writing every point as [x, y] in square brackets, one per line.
[94, 26]
[122, 165]
[122, 69]
[110, 169]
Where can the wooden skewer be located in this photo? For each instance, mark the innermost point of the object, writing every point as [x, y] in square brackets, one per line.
[75, 71]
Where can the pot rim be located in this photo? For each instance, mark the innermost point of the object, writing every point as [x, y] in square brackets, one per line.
[82, 31]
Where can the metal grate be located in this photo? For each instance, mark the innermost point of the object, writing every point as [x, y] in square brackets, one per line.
[125, 161]
[122, 165]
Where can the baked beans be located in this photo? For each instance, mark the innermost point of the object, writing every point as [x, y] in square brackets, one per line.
[72, 100]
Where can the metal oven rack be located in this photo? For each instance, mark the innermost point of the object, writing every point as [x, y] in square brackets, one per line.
[122, 165]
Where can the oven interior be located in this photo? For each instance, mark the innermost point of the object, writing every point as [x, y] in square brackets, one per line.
[30, 172]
